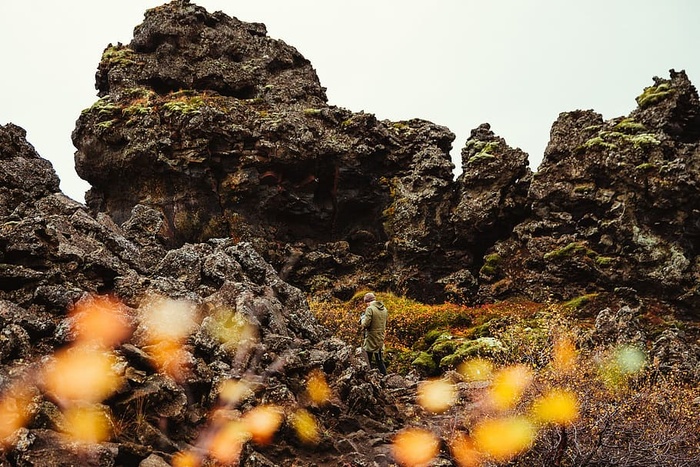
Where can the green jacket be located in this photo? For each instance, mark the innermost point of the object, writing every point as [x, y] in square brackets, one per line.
[374, 324]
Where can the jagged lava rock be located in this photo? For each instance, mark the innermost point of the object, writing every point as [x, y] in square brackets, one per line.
[614, 204]
[227, 132]
[54, 254]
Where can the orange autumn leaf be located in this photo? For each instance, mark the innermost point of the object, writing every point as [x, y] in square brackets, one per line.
[82, 374]
[564, 355]
[186, 459]
[262, 423]
[13, 411]
[227, 444]
[415, 447]
[101, 320]
[465, 452]
[170, 358]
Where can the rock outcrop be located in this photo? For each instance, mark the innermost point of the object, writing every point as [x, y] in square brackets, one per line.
[249, 327]
[225, 185]
[614, 205]
[227, 133]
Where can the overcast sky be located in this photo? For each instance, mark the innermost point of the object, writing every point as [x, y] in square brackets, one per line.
[515, 64]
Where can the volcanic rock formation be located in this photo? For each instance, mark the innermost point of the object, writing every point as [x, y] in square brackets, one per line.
[55, 257]
[227, 133]
[220, 175]
[614, 204]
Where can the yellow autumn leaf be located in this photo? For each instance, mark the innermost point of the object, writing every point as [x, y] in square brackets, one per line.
[503, 438]
[476, 369]
[230, 328]
[558, 406]
[508, 386]
[87, 424]
[317, 388]
[306, 427]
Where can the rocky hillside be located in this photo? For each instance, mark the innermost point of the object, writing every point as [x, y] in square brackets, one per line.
[224, 186]
[244, 325]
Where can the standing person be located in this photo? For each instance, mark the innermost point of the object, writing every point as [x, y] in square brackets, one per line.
[373, 322]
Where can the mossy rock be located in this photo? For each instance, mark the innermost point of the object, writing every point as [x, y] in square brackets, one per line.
[433, 335]
[598, 142]
[184, 105]
[482, 156]
[482, 330]
[570, 250]
[491, 263]
[580, 301]
[646, 166]
[628, 125]
[103, 108]
[644, 140]
[425, 364]
[119, 55]
[443, 347]
[481, 347]
[584, 188]
[654, 94]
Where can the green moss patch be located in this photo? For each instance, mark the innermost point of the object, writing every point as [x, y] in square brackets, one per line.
[654, 94]
[571, 249]
[119, 55]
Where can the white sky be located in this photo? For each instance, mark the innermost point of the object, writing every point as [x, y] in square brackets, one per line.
[515, 64]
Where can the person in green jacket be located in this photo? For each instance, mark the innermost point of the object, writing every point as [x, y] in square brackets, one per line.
[373, 323]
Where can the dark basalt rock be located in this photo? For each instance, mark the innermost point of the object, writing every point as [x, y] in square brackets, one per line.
[337, 201]
[614, 204]
[222, 178]
[227, 133]
[54, 254]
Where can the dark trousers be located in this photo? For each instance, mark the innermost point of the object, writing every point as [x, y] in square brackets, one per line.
[376, 361]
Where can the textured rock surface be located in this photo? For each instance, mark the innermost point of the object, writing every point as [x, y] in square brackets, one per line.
[227, 132]
[614, 204]
[54, 255]
[220, 176]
